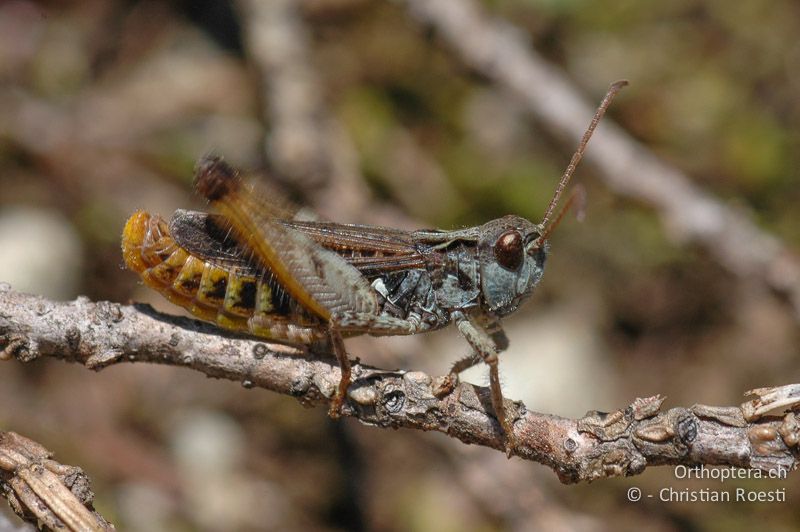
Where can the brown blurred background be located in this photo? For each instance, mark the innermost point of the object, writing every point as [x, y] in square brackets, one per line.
[363, 111]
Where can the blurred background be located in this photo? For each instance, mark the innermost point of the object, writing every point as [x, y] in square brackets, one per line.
[366, 110]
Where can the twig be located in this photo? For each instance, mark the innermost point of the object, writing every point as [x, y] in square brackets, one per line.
[44, 492]
[501, 52]
[598, 445]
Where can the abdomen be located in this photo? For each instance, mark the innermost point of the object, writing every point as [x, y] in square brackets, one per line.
[213, 293]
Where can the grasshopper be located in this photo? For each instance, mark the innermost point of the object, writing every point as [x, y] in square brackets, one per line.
[261, 267]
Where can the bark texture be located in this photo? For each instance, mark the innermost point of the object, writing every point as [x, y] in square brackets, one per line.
[598, 445]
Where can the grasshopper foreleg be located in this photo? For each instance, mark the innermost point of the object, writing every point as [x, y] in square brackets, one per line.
[487, 339]
[488, 325]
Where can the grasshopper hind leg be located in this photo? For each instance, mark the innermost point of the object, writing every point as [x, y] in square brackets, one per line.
[337, 345]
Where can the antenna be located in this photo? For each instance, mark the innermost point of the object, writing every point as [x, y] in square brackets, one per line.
[576, 197]
[576, 157]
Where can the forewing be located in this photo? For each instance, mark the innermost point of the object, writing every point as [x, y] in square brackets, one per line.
[370, 249]
[319, 279]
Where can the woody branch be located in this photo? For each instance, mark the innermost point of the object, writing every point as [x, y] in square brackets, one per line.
[46, 493]
[625, 442]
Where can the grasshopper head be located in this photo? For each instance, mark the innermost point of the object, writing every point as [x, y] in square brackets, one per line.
[512, 250]
[511, 258]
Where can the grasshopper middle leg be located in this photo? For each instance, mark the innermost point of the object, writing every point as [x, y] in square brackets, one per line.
[350, 322]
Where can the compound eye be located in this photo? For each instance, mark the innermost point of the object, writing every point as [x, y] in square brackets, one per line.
[509, 251]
